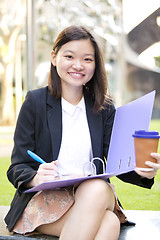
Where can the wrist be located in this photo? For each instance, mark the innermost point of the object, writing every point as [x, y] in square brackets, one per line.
[32, 183]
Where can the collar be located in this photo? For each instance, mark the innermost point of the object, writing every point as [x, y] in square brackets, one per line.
[70, 108]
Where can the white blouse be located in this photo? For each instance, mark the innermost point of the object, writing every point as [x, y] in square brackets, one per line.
[76, 150]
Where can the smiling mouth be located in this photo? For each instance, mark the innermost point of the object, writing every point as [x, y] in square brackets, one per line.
[74, 74]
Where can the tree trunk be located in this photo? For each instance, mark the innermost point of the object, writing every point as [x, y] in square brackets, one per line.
[8, 59]
[8, 113]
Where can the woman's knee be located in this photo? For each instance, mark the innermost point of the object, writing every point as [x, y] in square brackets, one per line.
[97, 191]
[92, 186]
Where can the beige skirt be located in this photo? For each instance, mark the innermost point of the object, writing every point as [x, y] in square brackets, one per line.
[48, 206]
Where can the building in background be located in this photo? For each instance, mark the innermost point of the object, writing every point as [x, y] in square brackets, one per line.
[143, 75]
[28, 29]
[142, 51]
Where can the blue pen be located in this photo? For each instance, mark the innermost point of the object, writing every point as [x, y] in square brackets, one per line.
[38, 159]
[35, 157]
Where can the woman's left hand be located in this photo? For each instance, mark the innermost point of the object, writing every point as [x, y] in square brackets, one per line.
[154, 166]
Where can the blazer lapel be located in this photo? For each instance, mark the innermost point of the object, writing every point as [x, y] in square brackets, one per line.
[54, 115]
[95, 127]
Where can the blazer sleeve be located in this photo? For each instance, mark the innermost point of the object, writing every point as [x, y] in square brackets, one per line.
[23, 168]
[133, 178]
[130, 177]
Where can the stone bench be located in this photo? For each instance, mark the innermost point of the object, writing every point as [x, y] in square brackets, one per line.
[147, 227]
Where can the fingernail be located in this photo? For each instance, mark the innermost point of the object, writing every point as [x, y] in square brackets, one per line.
[147, 162]
[153, 155]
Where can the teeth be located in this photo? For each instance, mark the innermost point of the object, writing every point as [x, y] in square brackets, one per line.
[76, 74]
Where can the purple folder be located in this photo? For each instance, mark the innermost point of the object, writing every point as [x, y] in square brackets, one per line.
[133, 116]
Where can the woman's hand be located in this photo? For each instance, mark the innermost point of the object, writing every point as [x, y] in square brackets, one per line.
[46, 172]
[154, 166]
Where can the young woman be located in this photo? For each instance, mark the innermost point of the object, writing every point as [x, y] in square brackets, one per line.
[67, 124]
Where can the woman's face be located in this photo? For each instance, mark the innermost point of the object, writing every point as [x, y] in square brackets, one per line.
[75, 63]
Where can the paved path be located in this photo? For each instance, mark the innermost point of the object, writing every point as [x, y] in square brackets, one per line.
[6, 141]
[5, 150]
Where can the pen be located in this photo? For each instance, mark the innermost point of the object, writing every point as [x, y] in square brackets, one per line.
[38, 159]
[35, 157]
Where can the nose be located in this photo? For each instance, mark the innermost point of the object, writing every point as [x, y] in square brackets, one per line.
[78, 65]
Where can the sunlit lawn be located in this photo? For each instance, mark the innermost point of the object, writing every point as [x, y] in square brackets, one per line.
[6, 188]
[131, 197]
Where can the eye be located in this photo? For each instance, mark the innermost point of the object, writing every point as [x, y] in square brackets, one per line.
[88, 59]
[68, 56]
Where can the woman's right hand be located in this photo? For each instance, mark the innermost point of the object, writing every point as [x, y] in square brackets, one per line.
[46, 172]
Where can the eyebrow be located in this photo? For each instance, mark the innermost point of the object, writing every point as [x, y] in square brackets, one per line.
[87, 54]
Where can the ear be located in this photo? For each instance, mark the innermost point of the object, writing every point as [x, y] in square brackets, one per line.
[53, 58]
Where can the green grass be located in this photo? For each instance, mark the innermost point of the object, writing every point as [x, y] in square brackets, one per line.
[155, 125]
[131, 197]
[6, 188]
[137, 198]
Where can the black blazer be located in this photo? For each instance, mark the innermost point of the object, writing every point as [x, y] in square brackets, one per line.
[39, 129]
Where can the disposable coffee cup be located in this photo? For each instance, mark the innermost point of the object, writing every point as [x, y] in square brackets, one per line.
[145, 142]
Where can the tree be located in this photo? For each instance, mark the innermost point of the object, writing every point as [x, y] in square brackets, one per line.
[12, 15]
[51, 16]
